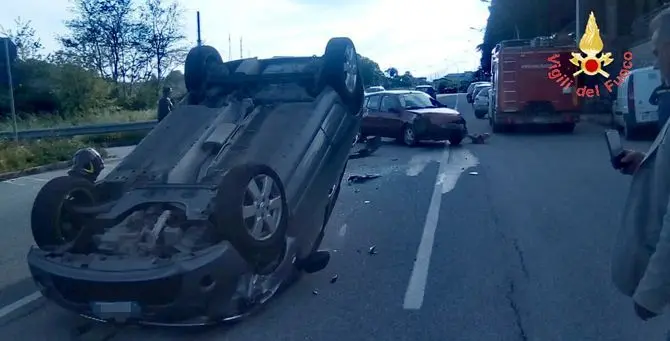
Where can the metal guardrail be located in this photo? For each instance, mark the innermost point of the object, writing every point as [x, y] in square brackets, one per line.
[94, 129]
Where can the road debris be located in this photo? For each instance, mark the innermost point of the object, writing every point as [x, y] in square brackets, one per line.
[474, 173]
[357, 179]
[366, 201]
[479, 138]
[334, 278]
[371, 145]
[372, 250]
[315, 292]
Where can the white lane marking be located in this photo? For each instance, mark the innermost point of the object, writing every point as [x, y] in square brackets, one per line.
[419, 162]
[8, 309]
[14, 182]
[343, 230]
[452, 165]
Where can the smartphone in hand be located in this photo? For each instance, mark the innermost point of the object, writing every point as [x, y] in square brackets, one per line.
[615, 148]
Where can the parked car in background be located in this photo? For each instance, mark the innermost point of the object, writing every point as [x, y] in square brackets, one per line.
[471, 88]
[411, 116]
[477, 89]
[374, 89]
[631, 111]
[429, 89]
[481, 102]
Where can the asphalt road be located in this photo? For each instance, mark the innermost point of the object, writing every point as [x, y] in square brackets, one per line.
[510, 240]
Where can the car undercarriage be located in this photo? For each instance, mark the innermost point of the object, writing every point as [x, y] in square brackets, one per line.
[218, 207]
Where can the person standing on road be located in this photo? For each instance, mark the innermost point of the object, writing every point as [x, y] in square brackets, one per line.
[164, 104]
[641, 260]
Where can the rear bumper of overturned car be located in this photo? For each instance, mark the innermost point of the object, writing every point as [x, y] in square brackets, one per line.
[171, 292]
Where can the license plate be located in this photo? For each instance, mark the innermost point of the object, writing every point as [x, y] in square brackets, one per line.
[116, 310]
[649, 116]
[543, 119]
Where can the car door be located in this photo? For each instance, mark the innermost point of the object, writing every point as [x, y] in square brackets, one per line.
[390, 121]
[370, 121]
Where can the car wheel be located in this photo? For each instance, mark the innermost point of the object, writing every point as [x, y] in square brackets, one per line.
[200, 61]
[409, 135]
[252, 212]
[480, 114]
[52, 222]
[456, 140]
[341, 71]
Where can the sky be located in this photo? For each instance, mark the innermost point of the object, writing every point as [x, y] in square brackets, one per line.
[428, 38]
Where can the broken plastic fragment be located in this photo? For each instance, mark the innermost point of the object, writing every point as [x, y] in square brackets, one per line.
[372, 250]
[334, 278]
[366, 201]
[361, 178]
[315, 292]
[474, 173]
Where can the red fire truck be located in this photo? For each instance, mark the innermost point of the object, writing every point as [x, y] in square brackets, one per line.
[525, 89]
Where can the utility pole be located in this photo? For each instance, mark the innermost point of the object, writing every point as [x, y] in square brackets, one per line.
[230, 51]
[10, 81]
[241, 48]
[198, 23]
[578, 21]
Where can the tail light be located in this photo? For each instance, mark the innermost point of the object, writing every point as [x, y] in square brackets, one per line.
[631, 94]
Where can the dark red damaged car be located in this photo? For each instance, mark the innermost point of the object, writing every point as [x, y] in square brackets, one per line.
[411, 116]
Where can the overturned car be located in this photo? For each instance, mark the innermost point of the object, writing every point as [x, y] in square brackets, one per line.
[223, 203]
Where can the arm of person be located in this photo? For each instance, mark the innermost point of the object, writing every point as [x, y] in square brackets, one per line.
[653, 291]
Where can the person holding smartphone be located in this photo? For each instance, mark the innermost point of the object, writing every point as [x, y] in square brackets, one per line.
[641, 259]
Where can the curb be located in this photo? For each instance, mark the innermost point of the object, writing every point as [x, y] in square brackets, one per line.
[41, 169]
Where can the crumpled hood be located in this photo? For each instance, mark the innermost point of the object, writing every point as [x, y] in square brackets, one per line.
[436, 111]
[439, 115]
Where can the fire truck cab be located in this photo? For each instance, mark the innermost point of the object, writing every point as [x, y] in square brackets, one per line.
[525, 90]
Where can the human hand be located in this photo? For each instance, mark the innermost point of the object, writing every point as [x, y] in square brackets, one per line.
[643, 313]
[631, 161]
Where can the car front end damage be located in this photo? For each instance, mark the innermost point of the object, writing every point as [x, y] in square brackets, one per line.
[438, 127]
[203, 287]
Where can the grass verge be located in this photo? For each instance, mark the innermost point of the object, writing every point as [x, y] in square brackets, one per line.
[27, 121]
[35, 153]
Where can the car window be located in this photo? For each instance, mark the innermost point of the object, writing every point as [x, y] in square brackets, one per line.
[416, 101]
[387, 103]
[373, 102]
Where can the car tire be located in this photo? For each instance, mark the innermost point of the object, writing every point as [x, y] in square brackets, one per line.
[408, 136]
[200, 61]
[456, 140]
[341, 70]
[51, 223]
[248, 195]
[480, 114]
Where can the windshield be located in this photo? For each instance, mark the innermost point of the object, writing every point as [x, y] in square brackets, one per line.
[416, 101]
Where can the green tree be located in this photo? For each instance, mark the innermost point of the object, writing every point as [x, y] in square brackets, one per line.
[370, 72]
[165, 43]
[24, 36]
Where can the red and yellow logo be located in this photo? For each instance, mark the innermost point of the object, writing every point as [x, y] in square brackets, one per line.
[590, 60]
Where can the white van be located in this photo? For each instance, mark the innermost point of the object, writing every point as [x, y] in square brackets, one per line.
[631, 111]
